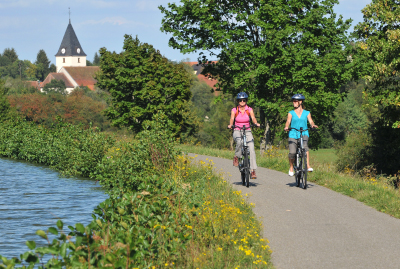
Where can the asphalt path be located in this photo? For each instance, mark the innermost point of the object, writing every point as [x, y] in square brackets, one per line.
[317, 227]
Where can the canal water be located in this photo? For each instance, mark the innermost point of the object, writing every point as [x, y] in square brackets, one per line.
[33, 197]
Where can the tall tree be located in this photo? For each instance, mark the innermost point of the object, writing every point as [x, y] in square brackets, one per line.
[10, 54]
[43, 65]
[142, 82]
[96, 59]
[270, 49]
[378, 56]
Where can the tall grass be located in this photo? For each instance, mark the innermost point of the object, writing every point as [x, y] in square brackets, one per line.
[378, 191]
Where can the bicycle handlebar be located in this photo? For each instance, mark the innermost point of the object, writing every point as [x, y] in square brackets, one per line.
[311, 129]
[243, 127]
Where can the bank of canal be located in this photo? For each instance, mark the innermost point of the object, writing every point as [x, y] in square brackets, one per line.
[33, 197]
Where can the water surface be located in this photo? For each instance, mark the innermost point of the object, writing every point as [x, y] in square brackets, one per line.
[33, 197]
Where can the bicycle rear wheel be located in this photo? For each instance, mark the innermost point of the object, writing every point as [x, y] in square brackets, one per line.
[243, 176]
[304, 169]
[246, 168]
[296, 170]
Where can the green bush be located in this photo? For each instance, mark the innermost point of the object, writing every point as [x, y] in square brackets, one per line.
[355, 152]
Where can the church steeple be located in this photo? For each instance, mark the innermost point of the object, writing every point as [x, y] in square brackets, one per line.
[70, 52]
[70, 45]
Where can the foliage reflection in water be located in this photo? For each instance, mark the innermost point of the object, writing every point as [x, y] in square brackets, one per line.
[33, 197]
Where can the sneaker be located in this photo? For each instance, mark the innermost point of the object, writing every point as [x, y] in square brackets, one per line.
[235, 161]
[310, 169]
[291, 173]
[253, 175]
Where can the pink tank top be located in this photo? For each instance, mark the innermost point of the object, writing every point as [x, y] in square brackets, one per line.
[242, 118]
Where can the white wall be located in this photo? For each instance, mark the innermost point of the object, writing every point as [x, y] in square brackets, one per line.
[70, 61]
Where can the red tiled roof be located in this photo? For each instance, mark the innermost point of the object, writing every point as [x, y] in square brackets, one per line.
[59, 76]
[202, 78]
[84, 75]
[34, 83]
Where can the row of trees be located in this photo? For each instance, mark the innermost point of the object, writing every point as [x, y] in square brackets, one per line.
[11, 66]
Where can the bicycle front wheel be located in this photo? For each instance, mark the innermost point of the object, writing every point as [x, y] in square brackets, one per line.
[304, 169]
[246, 168]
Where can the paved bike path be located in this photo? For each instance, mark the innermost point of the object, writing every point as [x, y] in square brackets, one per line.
[317, 227]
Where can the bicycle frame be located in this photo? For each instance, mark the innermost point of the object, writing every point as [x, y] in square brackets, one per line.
[300, 165]
[244, 160]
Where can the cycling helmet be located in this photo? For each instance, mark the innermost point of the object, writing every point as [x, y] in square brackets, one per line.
[242, 95]
[298, 96]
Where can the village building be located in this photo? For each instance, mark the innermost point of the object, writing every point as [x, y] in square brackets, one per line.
[71, 64]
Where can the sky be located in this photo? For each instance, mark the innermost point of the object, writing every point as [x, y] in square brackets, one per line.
[31, 25]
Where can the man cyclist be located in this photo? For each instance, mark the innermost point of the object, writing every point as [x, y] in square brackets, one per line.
[241, 115]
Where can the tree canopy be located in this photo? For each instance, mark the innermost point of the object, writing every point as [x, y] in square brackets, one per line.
[142, 82]
[270, 49]
[378, 56]
[43, 65]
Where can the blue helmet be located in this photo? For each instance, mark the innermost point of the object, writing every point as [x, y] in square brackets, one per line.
[242, 95]
[298, 96]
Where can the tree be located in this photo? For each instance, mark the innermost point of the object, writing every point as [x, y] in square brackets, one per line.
[10, 54]
[96, 59]
[142, 82]
[270, 49]
[55, 86]
[377, 57]
[43, 65]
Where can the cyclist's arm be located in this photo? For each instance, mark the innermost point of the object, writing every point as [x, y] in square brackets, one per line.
[311, 121]
[231, 119]
[253, 118]
[288, 121]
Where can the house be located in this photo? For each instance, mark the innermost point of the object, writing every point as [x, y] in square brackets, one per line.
[71, 64]
[197, 68]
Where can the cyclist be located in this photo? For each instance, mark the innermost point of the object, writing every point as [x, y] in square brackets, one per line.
[297, 118]
[241, 115]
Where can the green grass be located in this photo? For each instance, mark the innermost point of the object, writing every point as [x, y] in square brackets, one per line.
[376, 191]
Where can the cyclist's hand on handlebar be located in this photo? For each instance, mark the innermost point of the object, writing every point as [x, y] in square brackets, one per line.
[230, 126]
[286, 129]
[314, 126]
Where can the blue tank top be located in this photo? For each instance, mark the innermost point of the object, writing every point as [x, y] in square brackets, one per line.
[298, 122]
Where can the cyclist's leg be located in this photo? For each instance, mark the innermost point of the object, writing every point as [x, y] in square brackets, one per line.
[250, 144]
[292, 152]
[239, 142]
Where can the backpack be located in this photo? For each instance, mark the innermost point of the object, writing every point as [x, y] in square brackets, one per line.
[237, 113]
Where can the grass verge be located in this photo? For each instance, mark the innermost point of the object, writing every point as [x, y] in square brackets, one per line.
[377, 191]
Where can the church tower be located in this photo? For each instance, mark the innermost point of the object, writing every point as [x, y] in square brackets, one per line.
[70, 52]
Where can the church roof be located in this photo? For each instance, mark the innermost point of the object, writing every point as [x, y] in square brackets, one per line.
[70, 45]
[83, 75]
[58, 76]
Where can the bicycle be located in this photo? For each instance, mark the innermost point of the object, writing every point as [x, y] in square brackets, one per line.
[300, 162]
[244, 161]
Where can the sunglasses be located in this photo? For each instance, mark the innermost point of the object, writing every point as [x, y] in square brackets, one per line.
[295, 101]
[242, 100]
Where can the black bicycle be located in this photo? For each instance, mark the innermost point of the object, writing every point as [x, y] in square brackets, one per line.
[300, 162]
[244, 161]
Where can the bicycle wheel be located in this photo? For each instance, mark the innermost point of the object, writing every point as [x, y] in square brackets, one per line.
[304, 169]
[246, 168]
[296, 170]
[243, 175]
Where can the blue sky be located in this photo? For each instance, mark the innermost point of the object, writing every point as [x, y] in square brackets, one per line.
[31, 25]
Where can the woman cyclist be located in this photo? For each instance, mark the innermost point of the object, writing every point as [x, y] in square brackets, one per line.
[240, 116]
[297, 118]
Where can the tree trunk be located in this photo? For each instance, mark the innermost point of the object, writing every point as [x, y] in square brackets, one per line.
[265, 142]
